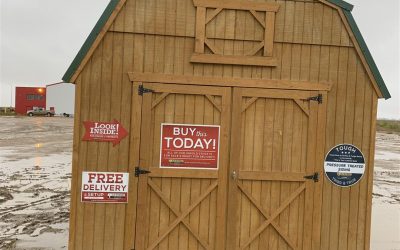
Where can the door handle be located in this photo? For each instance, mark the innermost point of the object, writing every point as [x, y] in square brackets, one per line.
[234, 175]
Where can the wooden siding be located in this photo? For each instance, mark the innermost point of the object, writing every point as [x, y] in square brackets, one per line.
[304, 22]
[311, 44]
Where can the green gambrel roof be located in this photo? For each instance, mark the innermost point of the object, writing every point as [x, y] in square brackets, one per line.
[346, 7]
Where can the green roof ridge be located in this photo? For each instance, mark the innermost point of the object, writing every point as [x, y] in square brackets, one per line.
[342, 4]
[90, 40]
[367, 54]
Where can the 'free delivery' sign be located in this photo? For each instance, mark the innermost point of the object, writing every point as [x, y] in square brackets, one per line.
[104, 187]
[189, 146]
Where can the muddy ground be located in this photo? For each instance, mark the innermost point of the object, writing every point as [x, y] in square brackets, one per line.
[35, 177]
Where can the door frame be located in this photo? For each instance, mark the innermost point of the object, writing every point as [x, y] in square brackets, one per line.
[140, 78]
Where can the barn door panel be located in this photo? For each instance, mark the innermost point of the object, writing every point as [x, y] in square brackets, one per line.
[182, 208]
[273, 150]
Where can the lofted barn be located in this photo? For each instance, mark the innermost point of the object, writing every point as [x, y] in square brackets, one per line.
[284, 81]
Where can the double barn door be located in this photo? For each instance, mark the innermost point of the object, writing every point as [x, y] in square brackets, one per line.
[258, 198]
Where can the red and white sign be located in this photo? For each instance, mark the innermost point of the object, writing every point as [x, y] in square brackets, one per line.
[189, 146]
[104, 131]
[105, 187]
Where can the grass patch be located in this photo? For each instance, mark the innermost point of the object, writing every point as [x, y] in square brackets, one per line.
[8, 114]
[389, 126]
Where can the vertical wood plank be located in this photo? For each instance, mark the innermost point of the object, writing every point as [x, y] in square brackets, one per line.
[357, 140]
[233, 225]
[142, 203]
[277, 164]
[169, 111]
[371, 152]
[339, 133]
[205, 218]
[149, 16]
[327, 25]
[221, 202]
[247, 149]
[170, 17]
[280, 22]
[257, 166]
[363, 196]
[160, 14]
[298, 22]
[200, 29]
[75, 164]
[181, 17]
[289, 21]
[269, 34]
[91, 161]
[115, 107]
[287, 141]
[336, 28]
[129, 23]
[348, 138]
[195, 191]
[85, 106]
[139, 23]
[310, 168]
[308, 22]
[267, 164]
[134, 145]
[317, 23]
[124, 152]
[105, 100]
[330, 142]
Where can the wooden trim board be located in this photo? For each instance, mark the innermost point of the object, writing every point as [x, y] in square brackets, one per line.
[237, 5]
[234, 60]
[229, 82]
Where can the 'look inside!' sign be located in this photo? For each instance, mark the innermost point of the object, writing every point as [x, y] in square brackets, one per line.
[104, 187]
[104, 132]
[189, 146]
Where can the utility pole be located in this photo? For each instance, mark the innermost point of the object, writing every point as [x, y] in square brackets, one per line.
[11, 87]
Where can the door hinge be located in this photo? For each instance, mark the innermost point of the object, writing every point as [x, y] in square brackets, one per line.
[139, 171]
[142, 90]
[317, 98]
[314, 177]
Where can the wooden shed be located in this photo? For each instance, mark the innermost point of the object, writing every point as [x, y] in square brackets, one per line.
[283, 82]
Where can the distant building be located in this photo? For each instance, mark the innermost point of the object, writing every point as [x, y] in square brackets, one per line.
[26, 98]
[61, 98]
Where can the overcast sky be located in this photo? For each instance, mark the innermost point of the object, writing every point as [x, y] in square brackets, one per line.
[40, 38]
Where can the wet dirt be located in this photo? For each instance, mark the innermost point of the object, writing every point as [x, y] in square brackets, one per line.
[35, 177]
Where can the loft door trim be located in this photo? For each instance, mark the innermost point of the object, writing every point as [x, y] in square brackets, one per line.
[217, 56]
[229, 81]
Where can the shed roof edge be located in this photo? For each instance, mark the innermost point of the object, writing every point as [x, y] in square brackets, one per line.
[342, 4]
[90, 40]
[367, 54]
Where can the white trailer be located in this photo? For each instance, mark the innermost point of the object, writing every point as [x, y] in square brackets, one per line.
[61, 97]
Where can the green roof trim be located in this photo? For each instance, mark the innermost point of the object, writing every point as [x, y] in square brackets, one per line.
[90, 40]
[367, 54]
[342, 4]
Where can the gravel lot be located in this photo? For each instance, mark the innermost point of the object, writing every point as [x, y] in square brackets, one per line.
[35, 177]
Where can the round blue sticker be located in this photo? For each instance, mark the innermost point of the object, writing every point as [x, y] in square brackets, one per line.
[344, 165]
